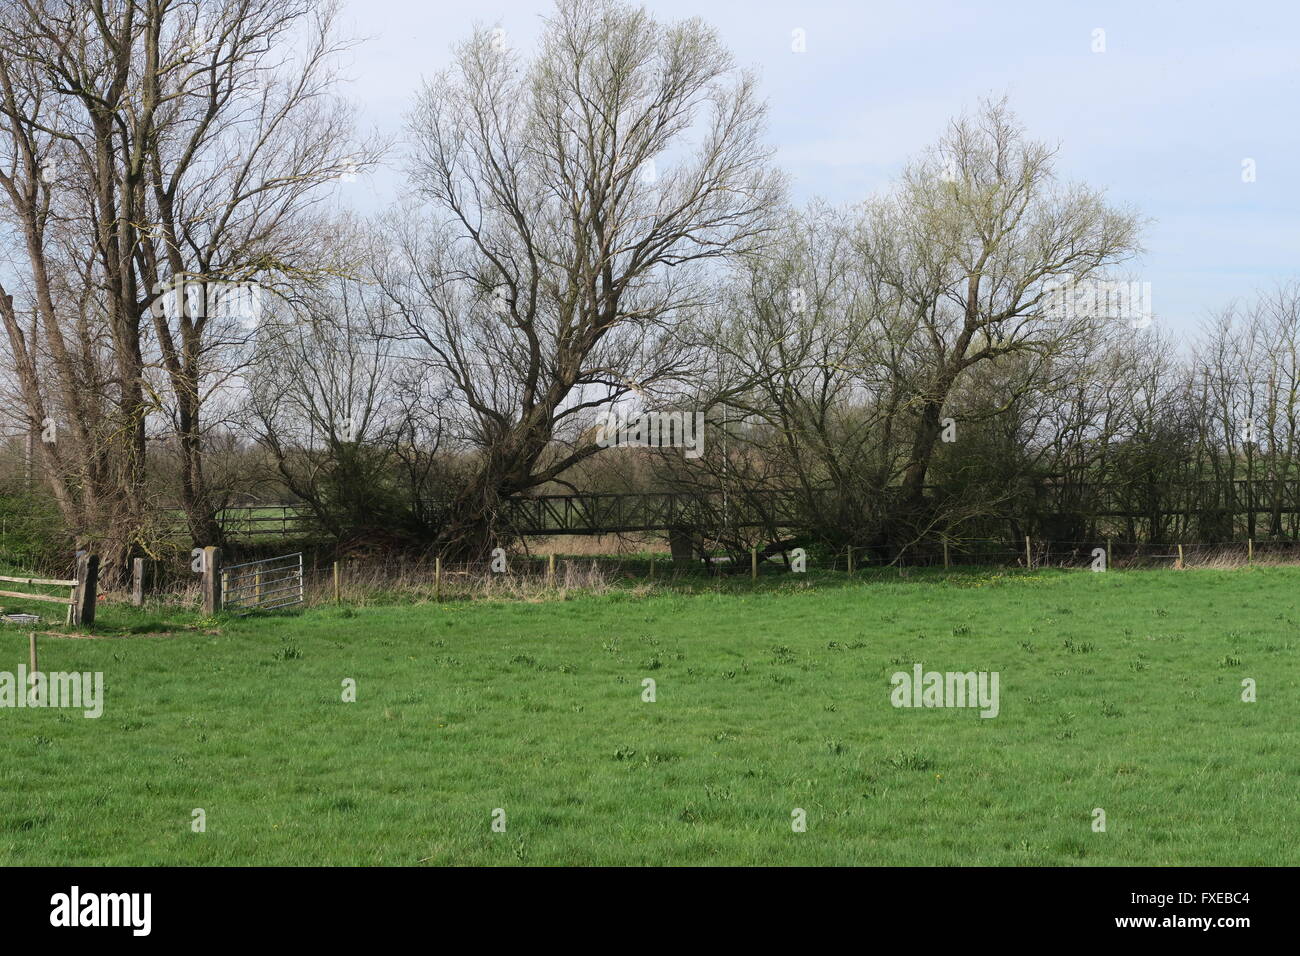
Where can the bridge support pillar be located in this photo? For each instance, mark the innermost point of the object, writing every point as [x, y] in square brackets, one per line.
[682, 543]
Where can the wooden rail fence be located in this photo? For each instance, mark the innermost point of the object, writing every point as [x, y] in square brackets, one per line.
[83, 590]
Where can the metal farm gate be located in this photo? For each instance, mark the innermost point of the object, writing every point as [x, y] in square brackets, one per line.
[263, 585]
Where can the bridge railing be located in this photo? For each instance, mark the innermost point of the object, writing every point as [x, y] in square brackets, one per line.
[1186, 504]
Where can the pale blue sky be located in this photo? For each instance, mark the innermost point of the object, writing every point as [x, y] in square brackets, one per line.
[1162, 119]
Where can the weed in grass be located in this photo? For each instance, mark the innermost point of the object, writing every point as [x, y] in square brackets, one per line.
[910, 760]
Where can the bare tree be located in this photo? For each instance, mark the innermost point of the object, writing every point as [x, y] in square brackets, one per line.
[179, 142]
[970, 244]
[354, 429]
[575, 199]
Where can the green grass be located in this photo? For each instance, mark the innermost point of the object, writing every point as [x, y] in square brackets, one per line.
[1120, 691]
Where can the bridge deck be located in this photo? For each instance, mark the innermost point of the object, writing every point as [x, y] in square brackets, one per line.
[629, 513]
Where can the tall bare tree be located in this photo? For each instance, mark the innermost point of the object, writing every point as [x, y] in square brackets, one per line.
[575, 198]
[971, 244]
[181, 143]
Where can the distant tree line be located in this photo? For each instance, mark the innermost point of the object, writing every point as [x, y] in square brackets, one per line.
[594, 226]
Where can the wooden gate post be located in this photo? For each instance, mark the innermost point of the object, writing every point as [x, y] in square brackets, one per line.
[87, 590]
[212, 596]
[137, 582]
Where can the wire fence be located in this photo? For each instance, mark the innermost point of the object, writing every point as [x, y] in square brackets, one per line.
[318, 579]
[523, 576]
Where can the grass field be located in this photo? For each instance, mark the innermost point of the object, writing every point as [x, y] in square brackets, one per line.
[1119, 691]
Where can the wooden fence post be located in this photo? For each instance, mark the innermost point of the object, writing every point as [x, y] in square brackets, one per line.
[87, 590]
[1108, 561]
[946, 562]
[338, 591]
[1180, 557]
[652, 567]
[1250, 550]
[213, 599]
[32, 667]
[1029, 560]
[550, 570]
[753, 564]
[850, 559]
[437, 579]
[137, 581]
